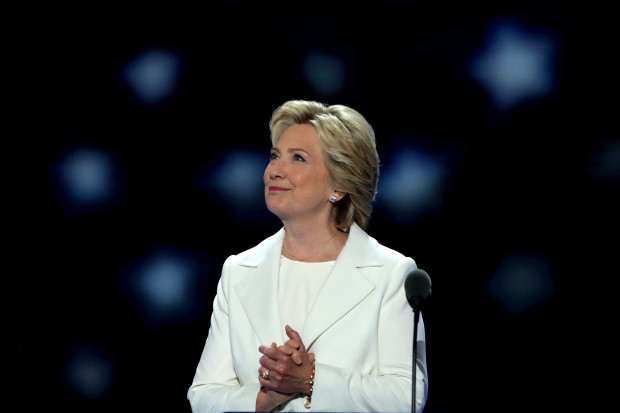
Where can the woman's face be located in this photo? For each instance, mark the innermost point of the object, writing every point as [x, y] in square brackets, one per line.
[297, 183]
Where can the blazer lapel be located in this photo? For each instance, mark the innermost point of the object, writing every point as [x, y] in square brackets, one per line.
[258, 293]
[345, 287]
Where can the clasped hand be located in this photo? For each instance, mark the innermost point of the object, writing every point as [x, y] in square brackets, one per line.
[289, 365]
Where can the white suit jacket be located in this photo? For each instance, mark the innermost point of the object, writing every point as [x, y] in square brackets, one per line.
[360, 329]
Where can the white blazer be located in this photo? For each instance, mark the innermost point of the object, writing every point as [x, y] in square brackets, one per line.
[360, 329]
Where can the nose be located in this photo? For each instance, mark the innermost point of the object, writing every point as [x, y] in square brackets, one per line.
[274, 170]
[275, 175]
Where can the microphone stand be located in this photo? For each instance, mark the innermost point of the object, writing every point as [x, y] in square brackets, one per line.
[416, 319]
[418, 291]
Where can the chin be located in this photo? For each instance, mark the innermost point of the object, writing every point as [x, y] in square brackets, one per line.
[274, 209]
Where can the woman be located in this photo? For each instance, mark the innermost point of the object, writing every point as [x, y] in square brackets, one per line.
[314, 317]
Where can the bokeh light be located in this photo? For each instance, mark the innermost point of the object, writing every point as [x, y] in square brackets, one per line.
[236, 181]
[153, 75]
[86, 179]
[166, 286]
[413, 183]
[326, 73]
[603, 163]
[90, 372]
[521, 282]
[515, 64]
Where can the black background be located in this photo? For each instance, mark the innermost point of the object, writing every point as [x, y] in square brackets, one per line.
[521, 186]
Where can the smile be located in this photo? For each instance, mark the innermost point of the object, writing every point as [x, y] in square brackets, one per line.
[277, 188]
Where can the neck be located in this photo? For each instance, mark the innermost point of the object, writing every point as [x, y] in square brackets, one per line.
[311, 242]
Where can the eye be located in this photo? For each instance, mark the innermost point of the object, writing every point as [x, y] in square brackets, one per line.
[273, 156]
[299, 158]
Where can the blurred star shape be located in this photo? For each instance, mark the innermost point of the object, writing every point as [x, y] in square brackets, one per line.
[86, 179]
[521, 281]
[326, 73]
[90, 373]
[153, 75]
[515, 64]
[166, 285]
[412, 184]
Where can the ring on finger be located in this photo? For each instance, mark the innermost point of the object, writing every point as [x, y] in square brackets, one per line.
[266, 374]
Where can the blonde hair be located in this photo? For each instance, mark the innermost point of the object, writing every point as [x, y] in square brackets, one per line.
[349, 151]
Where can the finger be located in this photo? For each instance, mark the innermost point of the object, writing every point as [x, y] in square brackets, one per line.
[294, 344]
[272, 364]
[293, 354]
[286, 350]
[264, 383]
[268, 384]
[271, 352]
[273, 376]
[262, 371]
[262, 347]
[295, 339]
[297, 357]
[311, 357]
[292, 334]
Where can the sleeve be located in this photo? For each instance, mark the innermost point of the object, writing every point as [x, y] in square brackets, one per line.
[215, 387]
[390, 389]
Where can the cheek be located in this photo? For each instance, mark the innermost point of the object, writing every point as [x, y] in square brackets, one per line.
[266, 175]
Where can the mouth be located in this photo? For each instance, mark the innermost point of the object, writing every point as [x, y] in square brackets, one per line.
[276, 189]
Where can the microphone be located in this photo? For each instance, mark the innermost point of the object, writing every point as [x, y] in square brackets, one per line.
[418, 291]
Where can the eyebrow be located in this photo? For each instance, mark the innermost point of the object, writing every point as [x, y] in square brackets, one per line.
[292, 150]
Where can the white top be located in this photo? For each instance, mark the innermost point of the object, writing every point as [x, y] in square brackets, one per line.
[298, 285]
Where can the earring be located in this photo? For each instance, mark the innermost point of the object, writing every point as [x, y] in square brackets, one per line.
[333, 198]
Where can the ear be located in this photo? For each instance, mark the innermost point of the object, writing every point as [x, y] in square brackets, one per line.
[339, 194]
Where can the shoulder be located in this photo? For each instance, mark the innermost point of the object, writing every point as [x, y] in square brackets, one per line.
[387, 252]
[367, 246]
